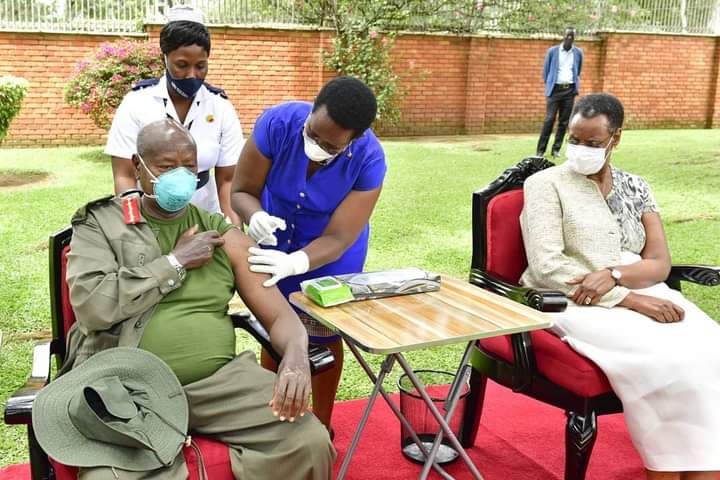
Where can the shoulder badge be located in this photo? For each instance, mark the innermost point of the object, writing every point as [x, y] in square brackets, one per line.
[148, 82]
[82, 213]
[216, 90]
[131, 209]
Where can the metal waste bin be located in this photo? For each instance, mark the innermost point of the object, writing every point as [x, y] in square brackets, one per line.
[437, 384]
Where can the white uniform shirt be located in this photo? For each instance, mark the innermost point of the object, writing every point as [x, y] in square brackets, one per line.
[565, 65]
[211, 120]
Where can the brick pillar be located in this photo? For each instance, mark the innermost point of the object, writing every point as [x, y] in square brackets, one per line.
[476, 85]
[713, 118]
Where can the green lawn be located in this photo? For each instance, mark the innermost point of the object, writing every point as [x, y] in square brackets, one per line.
[423, 219]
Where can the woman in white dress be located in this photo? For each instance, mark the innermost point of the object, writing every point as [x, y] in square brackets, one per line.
[595, 233]
[183, 95]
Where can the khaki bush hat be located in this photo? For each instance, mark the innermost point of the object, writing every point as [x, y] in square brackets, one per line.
[123, 407]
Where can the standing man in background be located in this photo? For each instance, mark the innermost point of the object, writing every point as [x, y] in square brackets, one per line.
[561, 73]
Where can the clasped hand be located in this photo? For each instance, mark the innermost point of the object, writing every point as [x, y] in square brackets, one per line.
[292, 388]
[591, 287]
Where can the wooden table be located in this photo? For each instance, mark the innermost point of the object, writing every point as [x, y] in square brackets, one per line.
[458, 312]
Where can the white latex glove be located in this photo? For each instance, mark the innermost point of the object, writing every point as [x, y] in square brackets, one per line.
[262, 227]
[278, 264]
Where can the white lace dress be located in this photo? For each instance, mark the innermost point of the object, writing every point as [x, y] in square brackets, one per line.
[667, 375]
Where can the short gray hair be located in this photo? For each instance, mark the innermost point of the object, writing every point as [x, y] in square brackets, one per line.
[163, 134]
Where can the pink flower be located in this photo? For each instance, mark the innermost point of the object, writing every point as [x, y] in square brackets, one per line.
[81, 65]
[85, 107]
[116, 78]
[531, 18]
[132, 69]
[593, 16]
[633, 12]
[373, 34]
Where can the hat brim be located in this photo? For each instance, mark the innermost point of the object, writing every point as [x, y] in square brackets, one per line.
[62, 440]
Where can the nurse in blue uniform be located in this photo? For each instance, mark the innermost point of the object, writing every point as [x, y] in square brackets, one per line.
[306, 184]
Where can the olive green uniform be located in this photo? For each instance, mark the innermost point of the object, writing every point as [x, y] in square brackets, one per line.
[119, 279]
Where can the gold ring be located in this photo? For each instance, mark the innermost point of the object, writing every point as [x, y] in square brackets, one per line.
[588, 300]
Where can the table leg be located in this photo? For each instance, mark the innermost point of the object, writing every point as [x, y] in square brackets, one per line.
[385, 368]
[396, 409]
[445, 428]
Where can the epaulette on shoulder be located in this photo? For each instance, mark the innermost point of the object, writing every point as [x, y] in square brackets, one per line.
[216, 91]
[148, 82]
[82, 213]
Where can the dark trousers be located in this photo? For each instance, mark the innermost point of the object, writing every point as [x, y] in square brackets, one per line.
[560, 104]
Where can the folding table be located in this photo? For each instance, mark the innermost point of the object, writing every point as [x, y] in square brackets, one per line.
[458, 312]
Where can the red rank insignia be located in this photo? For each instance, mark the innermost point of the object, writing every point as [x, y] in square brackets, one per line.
[131, 209]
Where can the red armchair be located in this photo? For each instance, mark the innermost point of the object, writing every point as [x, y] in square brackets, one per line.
[537, 364]
[18, 409]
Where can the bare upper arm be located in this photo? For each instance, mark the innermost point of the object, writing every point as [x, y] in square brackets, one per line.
[224, 174]
[353, 213]
[124, 174]
[251, 170]
[266, 303]
[656, 247]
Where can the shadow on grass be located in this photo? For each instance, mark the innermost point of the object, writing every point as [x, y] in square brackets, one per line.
[95, 156]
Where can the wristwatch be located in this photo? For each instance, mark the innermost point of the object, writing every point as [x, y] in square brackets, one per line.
[616, 275]
[178, 266]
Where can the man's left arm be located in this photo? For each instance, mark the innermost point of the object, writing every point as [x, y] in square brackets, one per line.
[546, 65]
[287, 334]
[580, 61]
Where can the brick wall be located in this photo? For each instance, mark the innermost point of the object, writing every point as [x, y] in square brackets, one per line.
[454, 84]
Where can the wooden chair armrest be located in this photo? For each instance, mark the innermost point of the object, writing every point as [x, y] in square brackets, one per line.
[524, 365]
[18, 409]
[700, 274]
[542, 300]
[320, 357]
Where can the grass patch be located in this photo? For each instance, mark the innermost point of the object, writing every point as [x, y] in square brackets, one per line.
[422, 219]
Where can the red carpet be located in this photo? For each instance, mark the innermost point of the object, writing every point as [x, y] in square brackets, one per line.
[520, 439]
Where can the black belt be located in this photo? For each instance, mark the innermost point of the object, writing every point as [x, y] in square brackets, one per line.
[564, 85]
[203, 178]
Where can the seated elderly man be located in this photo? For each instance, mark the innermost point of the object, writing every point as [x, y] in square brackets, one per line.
[156, 272]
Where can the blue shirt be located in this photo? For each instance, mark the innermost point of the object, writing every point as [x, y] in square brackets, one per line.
[552, 65]
[305, 204]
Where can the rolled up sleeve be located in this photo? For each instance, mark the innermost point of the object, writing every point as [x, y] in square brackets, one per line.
[103, 293]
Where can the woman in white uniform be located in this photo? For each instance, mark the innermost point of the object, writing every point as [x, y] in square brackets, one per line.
[183, 95]
[594, 232]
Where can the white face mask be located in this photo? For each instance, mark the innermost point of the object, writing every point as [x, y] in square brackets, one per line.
[315, 152]
[587, 160]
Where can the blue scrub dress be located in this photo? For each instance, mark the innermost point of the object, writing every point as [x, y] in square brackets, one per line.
[306, 205]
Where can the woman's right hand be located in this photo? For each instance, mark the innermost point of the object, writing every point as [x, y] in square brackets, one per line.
[262, 226]
[660, 310]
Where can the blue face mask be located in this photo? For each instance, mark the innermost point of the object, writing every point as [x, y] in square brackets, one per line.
[173, 189]
[185, 87]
